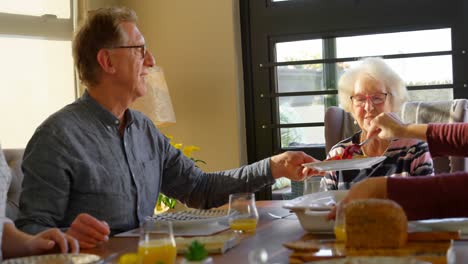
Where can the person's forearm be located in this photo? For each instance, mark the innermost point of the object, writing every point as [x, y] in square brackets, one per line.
[418, 131]
[425, 197]
[448, 139]
[14, 241]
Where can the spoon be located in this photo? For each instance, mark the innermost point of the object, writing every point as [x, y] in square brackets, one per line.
[279, 216]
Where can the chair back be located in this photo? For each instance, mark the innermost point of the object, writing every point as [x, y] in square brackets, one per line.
[454, 111]
[340, 125]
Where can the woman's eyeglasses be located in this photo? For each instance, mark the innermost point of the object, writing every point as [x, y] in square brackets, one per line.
[376, 99]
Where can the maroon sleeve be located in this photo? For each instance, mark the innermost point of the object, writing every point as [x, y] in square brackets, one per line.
[448, 139]
[441, 196]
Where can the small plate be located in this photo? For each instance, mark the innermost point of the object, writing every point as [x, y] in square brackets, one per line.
[443, 224]
[55, 258]
[192, 217]
[371, 260]
[346, 164]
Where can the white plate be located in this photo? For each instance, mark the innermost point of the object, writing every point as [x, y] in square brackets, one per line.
[346, 164]
[56, 259]
[320, 201]
[444, 224]
[371, 260]
[192, 217]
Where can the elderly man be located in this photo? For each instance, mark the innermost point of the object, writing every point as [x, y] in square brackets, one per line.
[98, 159]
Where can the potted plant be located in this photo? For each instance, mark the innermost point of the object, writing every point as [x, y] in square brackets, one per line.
[197, 254]
[164, 202]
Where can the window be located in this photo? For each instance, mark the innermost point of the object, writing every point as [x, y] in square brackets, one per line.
[36, 66]
[416, 71]
[295, 51]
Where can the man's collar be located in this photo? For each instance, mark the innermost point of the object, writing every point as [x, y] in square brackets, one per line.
[103, 114]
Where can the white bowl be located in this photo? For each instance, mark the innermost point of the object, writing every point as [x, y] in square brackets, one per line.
[315, 221]
[312, 210]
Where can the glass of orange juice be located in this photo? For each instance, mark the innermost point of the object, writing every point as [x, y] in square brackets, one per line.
[156, 244]
[242, 214]
[340, 231]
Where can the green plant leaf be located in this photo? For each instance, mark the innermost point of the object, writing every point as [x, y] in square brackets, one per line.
[196, 251]
[167, 201]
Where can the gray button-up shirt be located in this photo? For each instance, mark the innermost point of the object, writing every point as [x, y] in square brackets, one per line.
[78, 162]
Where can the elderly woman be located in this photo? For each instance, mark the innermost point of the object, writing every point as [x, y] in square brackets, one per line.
[441, 196]
[365, 91]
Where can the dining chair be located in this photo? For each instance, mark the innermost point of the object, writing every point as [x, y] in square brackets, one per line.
[340, 125]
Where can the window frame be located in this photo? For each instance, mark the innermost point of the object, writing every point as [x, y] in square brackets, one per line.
[46, 26]
[265, 22]
[42, 27]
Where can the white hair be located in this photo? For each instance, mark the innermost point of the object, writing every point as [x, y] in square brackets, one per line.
[379, 70]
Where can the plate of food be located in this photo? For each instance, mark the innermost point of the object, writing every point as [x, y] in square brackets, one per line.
[56, 259]
[345, 164]
[192, 217]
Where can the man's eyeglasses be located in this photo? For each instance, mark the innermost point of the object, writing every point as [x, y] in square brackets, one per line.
[376, 99]
[141, 47]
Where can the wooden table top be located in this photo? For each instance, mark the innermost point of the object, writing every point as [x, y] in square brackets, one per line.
[272, 233]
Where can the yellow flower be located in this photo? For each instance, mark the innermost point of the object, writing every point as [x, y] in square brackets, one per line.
[164, 202]
[189, 149]
[178, 145]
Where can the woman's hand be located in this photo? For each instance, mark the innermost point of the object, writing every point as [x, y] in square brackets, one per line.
[49, 239]
[387, 126]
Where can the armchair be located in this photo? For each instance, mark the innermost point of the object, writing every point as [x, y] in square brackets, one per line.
[454, 111]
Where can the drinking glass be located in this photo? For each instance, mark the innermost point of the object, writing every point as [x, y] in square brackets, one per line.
[340, 231]
[157, 244]
[242, 214]
[314, 184]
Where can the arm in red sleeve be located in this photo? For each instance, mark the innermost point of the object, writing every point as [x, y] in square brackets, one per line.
[448, 139]
[441, 196]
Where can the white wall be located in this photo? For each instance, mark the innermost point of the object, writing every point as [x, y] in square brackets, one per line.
[198, 45]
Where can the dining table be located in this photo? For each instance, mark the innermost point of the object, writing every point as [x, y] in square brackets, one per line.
[275, 227]
[270, 235]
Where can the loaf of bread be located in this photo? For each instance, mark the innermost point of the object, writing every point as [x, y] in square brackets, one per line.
[375, 223]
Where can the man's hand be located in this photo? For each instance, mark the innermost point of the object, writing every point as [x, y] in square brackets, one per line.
[368, 188]
[89, 231]
[289, 164]
[47, 240]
